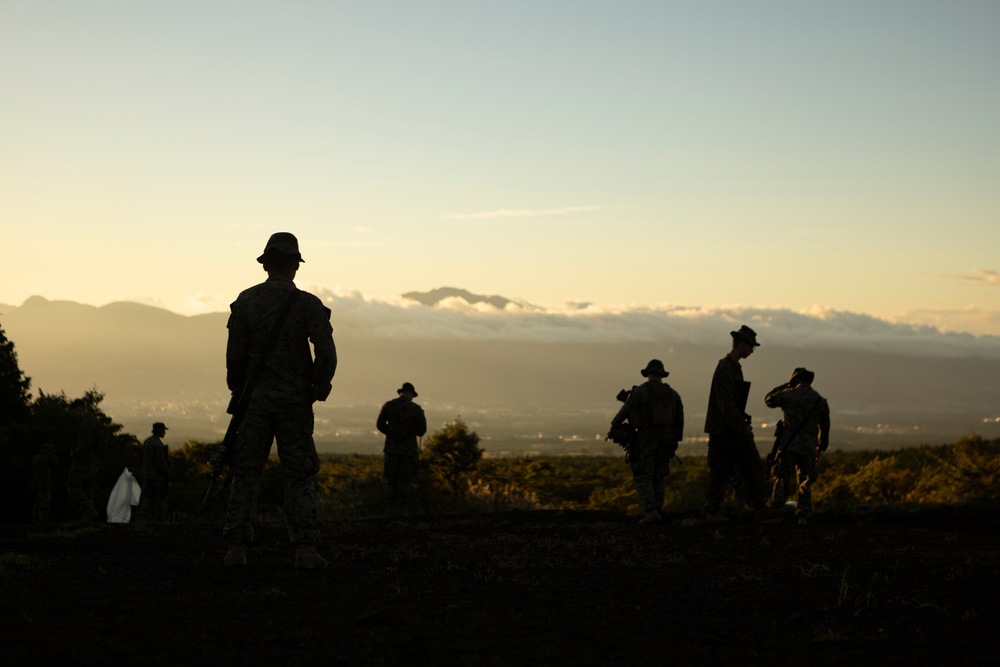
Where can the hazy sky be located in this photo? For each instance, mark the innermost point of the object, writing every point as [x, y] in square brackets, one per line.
[795, 154]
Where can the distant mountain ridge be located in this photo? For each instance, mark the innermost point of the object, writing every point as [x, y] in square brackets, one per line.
[147, 355]
[437, 295]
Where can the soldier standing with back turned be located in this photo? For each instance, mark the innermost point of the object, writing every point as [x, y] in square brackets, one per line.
[280, 405]
[85, 462]
[656, 413]
[402, 421]
[155, 482]
[805, 433]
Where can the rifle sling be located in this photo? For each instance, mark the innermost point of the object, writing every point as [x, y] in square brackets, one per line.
[268, 347]
[801, 424]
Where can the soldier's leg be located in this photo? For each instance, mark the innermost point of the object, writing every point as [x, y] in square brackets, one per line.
[752, 469]
[806, 470]
[252, 448]
[79, 488]
[642, 464]
[661, 470]
[407, 473]
[782, 474]
[299, 463]
[720, 471]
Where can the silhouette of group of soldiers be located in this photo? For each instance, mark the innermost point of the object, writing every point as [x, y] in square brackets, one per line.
[281, 358]
[650, 425]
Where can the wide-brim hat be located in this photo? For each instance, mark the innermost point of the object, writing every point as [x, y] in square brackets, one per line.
[407, 387]
[747, 334]
[804, 373]
[284, 243]
[654, 366]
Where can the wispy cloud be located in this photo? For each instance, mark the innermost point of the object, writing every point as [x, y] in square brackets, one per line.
[977, 277]
[522, 213]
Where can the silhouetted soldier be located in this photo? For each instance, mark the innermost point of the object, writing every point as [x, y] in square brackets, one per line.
[656, 413]
[155, 482]
[805, 432]
[81, 483]
[730, 432]
[402, 421]
[42, 465]
[281, 403]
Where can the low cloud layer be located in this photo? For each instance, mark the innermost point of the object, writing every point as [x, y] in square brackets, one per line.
[456, 319]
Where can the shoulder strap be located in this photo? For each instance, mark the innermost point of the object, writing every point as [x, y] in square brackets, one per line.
[805, 419]
[272, 337]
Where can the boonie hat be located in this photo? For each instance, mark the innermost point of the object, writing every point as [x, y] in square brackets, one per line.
[747, 334]
[284, 243]
[654, 366]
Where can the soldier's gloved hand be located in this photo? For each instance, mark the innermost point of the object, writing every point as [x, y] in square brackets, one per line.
[321, 392]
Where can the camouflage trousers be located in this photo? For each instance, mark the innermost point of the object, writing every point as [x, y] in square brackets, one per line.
[398, 473]
[803, 466]
[292, 429]
[649, 459]
[81, 485]
[42, 508]
[729, 453]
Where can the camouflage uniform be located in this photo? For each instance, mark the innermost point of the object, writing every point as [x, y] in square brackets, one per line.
[281, 404]
[402, 421]
[81, 483]
[649, 457]
[155, 479]
[806, 416]
[729, 446]
[42, 465]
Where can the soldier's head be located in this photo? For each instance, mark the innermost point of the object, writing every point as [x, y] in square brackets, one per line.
[78, 408]
[654, 370]
[159, 429]
[281, 254]
[744, 341]
[407, 391]
[802, 376]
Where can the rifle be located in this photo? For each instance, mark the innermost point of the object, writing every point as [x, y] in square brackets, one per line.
[779, 429]
[222, 454]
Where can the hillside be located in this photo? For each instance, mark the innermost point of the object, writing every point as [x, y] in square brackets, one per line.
[531, 588]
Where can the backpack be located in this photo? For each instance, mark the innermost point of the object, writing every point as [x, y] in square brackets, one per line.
[656, 408]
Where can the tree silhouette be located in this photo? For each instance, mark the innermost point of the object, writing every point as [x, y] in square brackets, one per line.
[451, 453]
[14, 396]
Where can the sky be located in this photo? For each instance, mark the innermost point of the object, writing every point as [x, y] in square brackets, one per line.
[798, 155]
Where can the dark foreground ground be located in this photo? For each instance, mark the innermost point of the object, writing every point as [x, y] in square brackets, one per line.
[893, 588]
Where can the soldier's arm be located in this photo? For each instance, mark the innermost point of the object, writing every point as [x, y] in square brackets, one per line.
[237, 352]
[725, 397]
[824, 424]
[421, 425]
[776, 397]
[630, 403]
[678, 418]
[382, 423]
[325, 362]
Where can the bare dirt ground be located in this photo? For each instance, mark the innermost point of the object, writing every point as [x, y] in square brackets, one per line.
[577, 588]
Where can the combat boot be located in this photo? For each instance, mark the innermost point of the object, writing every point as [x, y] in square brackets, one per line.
[652, 516]
[307, 558]
[236, 556]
